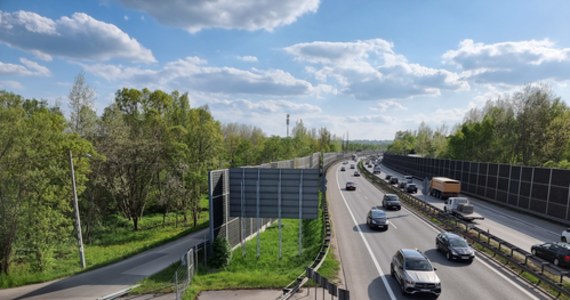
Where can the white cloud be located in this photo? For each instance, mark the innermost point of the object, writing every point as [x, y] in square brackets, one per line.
[513, 63]
[248, 58]
[193, 73]
[386, 105]
[196, 15]
[79, 37]
[35, 67]
[370, 69]
[27, 68]
[10, 84]
[266, 106]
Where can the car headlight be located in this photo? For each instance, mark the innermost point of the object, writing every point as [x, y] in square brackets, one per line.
[453, 252]
[438, 284]
[373, 221]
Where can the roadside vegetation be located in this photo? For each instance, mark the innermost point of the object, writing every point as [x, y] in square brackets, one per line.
[529, 127]
[247, 271]
[140, 168]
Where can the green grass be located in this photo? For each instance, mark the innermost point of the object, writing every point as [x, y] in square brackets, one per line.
[249, 271]
[267, 271]
[114, 243]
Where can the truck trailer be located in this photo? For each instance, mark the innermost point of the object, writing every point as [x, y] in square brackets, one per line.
[443, 187]
[462, 209]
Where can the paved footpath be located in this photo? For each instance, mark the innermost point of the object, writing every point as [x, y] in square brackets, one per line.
[104, 281]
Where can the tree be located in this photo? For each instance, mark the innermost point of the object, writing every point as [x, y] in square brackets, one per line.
[35, 194]
[82, 117]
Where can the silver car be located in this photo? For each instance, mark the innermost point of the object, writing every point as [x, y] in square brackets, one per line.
[415, 273]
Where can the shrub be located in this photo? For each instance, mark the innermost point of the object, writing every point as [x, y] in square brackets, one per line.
[222, 253]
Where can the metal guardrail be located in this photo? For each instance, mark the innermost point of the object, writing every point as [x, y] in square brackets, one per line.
[544, 272]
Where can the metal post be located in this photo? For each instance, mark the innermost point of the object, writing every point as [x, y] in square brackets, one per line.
[76, 209]
[242, 208]
[279, 212]
[531, 186]
[301, 214]
[176, 282]
[548, 193]
[257, 212]
[568, 203]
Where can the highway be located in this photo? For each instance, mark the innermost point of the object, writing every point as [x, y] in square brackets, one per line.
[519, 229]
[366, 254]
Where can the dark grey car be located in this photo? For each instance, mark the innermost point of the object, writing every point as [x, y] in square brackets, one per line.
[377, 218]
[454, 247]
[391, 201]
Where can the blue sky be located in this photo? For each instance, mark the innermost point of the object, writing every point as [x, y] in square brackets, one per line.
[366, 68]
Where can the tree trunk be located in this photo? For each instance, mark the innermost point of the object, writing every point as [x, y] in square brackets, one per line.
[135, 223]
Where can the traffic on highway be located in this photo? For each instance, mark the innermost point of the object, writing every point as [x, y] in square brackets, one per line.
[371, 258]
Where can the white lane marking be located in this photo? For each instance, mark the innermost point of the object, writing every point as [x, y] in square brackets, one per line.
[378, 268]
[486, 264]
[392, 224]
[531, 296]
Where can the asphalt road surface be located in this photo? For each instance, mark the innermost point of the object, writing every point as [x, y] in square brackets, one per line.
[519, 229]
[366, 254]
[98, 283]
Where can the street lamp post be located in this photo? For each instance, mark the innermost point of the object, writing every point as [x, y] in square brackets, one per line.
[76, 208]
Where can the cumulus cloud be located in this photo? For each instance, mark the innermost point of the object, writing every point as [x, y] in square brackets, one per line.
[195, 74]
[27, 68]
[10, 85]
[79, 37]
[510, 62]
[387, 105]
[371, 69]
[267, 106]
[196, 15]
[248, 58]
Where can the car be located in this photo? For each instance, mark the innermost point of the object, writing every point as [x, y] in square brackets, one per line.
[356, 174]
[352, 166]
[565, 237]
[411, 188]
[388, 176]
[343, 169]
[345, 162]
[394, 180]
[415, 273]
[391, 201]
[402, 184]
[377, 218]
[408, 178]
[557, 253]
[350, 186]
[454, 247]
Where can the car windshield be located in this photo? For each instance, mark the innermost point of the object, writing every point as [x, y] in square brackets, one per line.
[378, 214]
[458, 243]
[392, 198]
[418, 265]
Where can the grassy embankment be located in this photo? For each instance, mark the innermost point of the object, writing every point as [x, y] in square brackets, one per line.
[114, 242]
[250, 272]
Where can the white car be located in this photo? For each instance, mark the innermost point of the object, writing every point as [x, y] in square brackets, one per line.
[565, 236]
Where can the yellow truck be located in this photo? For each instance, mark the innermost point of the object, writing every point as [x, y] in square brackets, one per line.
[443, 187]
